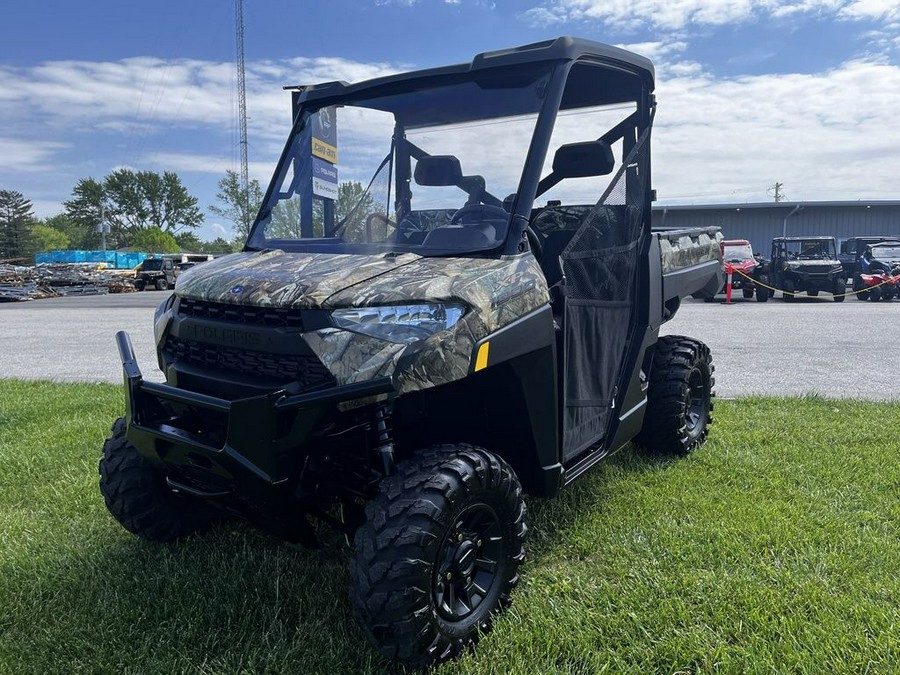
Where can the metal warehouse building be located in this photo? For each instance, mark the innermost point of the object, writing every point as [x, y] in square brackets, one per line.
[759, 223]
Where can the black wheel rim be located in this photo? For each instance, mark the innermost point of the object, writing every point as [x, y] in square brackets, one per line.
[696, 403]
[468, 563]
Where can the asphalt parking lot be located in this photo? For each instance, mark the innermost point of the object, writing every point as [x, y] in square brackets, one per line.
[810, 346]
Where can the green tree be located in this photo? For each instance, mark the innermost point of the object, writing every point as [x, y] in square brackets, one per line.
[132, 201]
[236, 205]
[155, 240]
[217, 245]
[16, 219]
[64, 224]
[189, 242]
[44, 238]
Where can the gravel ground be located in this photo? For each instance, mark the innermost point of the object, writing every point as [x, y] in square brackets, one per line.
[810, 346]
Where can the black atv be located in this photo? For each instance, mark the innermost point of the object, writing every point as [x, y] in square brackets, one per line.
[158, 273]
[407, 371]
[806, 265]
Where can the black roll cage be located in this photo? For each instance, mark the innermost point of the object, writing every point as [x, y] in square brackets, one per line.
[628, 79]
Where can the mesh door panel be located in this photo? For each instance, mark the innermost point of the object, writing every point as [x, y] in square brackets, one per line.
[600, 267]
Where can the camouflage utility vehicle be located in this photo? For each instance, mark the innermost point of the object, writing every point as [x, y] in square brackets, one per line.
[806, 264]
[473, 313]
[158, 273]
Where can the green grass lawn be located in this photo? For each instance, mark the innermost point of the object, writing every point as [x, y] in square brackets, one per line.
[775, 548]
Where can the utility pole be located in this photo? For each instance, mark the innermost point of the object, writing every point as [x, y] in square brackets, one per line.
[242, 114]
[779, 195]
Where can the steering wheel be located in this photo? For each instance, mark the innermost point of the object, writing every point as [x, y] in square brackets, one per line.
[478, 212]
[534, 242]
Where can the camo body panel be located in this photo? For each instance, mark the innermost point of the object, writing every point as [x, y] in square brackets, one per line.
[278, 278]
[496, 291]
[685, 248]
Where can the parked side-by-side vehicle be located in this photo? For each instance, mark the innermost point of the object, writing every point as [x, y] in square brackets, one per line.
[480, 321]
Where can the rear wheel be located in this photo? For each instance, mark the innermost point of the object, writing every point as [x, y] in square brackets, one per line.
[439, 554]
[762, 294]
[788, 290]
[839, 290]
[679, 400]
[136, 494]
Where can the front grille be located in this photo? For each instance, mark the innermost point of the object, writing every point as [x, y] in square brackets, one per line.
[277, 317]
[815, 269]
[280, 368]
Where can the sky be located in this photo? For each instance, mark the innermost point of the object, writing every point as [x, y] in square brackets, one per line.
[751, 92]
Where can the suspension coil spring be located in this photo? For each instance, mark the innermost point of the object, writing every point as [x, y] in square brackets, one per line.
[385, 447]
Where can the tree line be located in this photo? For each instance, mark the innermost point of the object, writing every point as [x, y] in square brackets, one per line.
[144, 211]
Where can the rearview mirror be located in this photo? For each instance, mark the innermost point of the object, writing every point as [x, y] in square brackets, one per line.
[438, 170]
[588, 158]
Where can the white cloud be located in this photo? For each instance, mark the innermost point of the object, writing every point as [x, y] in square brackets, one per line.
[824, 135]
[678, 14]
[18, 155]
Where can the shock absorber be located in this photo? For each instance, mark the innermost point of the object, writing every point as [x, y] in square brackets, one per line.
[383, 429]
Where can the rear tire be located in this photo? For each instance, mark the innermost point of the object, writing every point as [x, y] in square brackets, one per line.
[439, 554]
[762, 294]
[680, 397]
[136, 494]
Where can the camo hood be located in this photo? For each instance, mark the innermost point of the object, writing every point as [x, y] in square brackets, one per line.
[278, 278]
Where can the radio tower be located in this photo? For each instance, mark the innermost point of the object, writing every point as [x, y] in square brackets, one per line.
[242, 114]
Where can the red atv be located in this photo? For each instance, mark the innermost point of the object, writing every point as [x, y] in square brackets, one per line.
[747, 271]
[879, 275]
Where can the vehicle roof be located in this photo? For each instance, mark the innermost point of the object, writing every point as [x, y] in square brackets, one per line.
[554, 50]
[887, 243]
[812, 237]
[735, 242]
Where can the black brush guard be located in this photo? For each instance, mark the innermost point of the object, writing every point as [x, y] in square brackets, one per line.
[241, 452]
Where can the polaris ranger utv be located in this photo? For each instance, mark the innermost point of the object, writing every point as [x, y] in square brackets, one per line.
[807, 264]
[402, 366]
[158, 273]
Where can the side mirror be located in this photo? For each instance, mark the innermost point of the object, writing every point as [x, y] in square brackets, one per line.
[438, 170]
[578, 160]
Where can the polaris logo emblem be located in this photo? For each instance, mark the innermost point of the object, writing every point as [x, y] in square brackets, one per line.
[237, 289]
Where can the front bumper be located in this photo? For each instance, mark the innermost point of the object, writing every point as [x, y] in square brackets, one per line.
[246, 449]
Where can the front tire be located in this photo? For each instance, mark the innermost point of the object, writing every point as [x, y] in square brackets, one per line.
[680, 397]
[762, 294]
[439, 554]
[162, 285]
[136, 494]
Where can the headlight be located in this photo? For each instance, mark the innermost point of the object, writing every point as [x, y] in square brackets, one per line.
[161, 318]
[403, 324]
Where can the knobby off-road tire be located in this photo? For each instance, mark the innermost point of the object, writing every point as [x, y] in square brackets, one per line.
[679, 398]
[839, 290]
[137, 496]
[162, 285]
[762, 294]
[439, 554]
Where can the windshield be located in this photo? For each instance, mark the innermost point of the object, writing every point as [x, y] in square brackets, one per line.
[738, 253]
[816, 249]
[886, 252]
[152, 265]
[431, 171]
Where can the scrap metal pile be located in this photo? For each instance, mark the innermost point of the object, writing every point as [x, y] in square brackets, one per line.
[50, 281]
